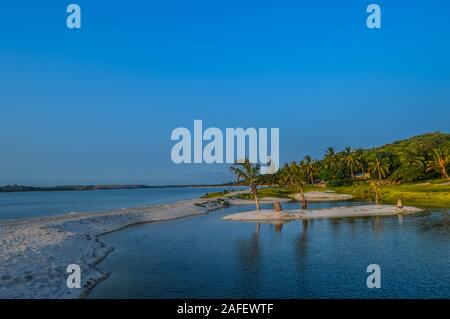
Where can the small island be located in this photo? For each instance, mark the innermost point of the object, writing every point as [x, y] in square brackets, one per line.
[335, 212]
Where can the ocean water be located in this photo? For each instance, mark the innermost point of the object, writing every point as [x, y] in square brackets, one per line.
[37, 204]
[207, 257]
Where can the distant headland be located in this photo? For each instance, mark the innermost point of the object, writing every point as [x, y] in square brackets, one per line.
[24, 188]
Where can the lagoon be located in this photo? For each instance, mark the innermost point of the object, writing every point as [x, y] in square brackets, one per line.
[207, 257]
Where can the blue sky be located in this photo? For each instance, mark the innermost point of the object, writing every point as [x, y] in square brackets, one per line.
[97, 105]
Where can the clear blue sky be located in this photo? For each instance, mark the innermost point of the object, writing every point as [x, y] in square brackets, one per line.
[97, 105]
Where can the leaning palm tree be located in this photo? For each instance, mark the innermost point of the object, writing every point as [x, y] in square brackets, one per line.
[250, 173]
[374, 190]
[440, 162]
[350, 160]
[294, 174]
[379, 166]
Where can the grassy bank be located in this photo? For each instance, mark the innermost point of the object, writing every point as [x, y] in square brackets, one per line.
[432, 193]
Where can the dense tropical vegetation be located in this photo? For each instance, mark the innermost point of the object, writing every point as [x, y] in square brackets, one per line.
[367, 172]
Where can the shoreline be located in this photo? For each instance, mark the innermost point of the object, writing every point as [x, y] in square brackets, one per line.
[34, 253]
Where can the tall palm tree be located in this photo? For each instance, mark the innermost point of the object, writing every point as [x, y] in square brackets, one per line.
[350, 160]
[310, 167]
[330, 156]
[293, 174]
[250, 173]
[440, 162]
[331, 161]
[379, 165]
[361, 159]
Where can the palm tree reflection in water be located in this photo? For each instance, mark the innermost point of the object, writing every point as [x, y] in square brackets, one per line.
[250, 264]
[301, 254]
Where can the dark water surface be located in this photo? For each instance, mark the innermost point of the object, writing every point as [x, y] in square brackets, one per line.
[206, 257]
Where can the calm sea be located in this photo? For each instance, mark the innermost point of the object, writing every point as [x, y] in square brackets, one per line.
[36, 204]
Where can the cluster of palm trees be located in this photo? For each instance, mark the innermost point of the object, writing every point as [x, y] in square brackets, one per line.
[408, 164]
[346, 166]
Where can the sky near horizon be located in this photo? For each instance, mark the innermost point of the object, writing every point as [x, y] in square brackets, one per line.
[98, 105]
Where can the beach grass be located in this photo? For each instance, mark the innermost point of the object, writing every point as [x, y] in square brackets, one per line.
[215, 194]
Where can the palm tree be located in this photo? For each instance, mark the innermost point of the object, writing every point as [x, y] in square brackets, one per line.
[361, 160]
[250, 173]
[379, 165]
[411, 157]
[310, 167]
[331, 161]
[440, 162]
[349, 160]
[293, 174]
[330, 156]
[374, 189]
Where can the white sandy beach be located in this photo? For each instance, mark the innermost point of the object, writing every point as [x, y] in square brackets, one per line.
[34, 253]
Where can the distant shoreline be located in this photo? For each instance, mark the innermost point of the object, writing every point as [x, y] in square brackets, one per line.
[23, 188]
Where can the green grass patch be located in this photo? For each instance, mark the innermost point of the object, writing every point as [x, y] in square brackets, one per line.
[426, 194]
[215, 194]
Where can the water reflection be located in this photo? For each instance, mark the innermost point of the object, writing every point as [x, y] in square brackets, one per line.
[249, 251]
[303, 235]
[400, 219]
[377, 225]
[278, 227]
[335, 225]
[301, 256]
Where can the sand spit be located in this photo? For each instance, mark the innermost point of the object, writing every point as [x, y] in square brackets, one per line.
[34, 253]
[335, 212]
[265, 200]
[326, 196]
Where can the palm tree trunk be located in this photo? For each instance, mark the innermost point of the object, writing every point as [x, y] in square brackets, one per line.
[351, 170]
[255, 195]
[303, 199]
[444, 173]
